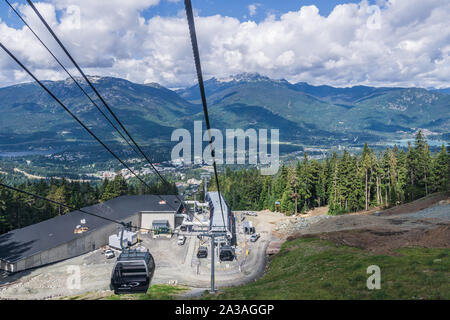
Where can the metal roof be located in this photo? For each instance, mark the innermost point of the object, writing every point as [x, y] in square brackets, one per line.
[127, 255]
[216, 218]
[22, 243]
[163, 222]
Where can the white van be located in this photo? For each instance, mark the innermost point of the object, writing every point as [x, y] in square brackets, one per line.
[181, 240]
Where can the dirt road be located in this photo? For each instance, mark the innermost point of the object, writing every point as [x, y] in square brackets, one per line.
[32, 176]
[376, 232]
[174, 265]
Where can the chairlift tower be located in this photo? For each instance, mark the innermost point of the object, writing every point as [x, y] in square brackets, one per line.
[212, 236]
[206, 177]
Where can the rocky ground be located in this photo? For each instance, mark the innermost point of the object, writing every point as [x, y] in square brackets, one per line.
[382, 231]
[296, 224]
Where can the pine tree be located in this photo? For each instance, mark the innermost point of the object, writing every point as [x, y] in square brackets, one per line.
[59, 194]
[411, 166]
[293, 187]
[423, 161]
[280, 183]
[304, 182]
[366, 165]
[440, 173]
[334, 208]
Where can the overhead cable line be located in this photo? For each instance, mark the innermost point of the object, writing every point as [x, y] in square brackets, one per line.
[93, 88]
[193, 35]
[78, 209]
[101, 98]
[75, 117]
[96, 92]
[70, 75]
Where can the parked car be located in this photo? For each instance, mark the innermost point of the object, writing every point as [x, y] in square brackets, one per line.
[109, 254]
[202, 252]
[249, 230]
[181, 240]
[254, 237]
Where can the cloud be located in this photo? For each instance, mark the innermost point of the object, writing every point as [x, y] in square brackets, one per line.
[401, 42]
[252, 9]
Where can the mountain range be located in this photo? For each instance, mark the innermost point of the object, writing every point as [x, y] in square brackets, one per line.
[305, 114]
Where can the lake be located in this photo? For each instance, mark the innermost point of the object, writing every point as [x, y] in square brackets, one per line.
[404, 142]
[13, 154]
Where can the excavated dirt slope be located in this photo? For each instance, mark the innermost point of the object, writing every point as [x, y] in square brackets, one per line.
[422, 223]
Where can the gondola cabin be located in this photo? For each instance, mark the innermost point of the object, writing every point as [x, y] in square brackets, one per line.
[226, 253]
[133, 272]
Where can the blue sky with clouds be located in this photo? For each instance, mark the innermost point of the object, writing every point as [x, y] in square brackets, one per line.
[340, 43]
[240, 9]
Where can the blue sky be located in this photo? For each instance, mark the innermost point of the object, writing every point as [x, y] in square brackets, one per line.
[233, 8]
[239, 8]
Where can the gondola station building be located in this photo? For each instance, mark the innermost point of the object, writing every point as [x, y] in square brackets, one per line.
[77, 233]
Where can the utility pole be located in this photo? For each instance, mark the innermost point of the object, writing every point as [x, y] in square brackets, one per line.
[195, 200]
[205, 177]
[212, 264]
[213, 244]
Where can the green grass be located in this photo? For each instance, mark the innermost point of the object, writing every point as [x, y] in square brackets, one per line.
[155, 292]
[317, 269]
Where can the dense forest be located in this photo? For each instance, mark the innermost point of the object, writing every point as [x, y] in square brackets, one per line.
[18, 210]
[346, 183]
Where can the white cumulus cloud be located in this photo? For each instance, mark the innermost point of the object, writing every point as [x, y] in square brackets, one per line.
[396, 42]
[252, 9]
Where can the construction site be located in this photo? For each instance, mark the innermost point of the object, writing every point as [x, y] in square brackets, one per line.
[423, 223]
[178, 244]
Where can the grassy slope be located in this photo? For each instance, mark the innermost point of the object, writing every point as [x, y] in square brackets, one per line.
[155, 292]
[316, 269]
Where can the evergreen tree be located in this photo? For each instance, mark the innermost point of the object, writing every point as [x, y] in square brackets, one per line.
[345, 183]
[304, 182]
[59, 194]
[366, 165]
[440, 173]
[115, 188]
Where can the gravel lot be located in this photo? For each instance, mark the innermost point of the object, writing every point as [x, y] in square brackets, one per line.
[439, 211]
[174, 265]
[298, 223]
[178, 264]
[54, 280]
